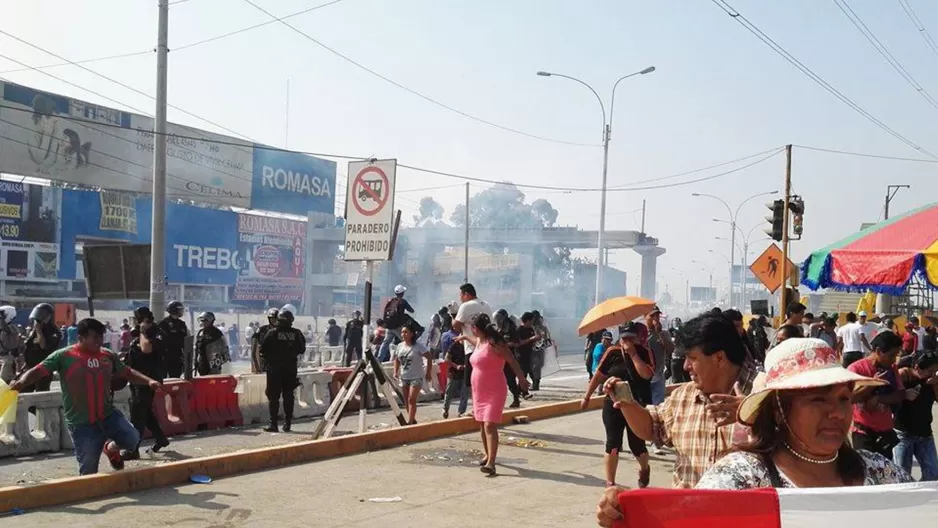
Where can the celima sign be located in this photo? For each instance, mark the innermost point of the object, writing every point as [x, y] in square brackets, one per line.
[289, 182]
[369, 210]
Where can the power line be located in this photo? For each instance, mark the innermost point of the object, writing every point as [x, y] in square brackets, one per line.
[777, 48]
[186, 46]
[411, 90]
[865, 155]
[119, 83]
[883, 50]
[917, 22]
[744, 158]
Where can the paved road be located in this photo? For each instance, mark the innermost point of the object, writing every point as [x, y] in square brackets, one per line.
[565, 384]
[553, 482]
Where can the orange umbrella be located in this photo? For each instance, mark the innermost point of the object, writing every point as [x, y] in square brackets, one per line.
[613, 312]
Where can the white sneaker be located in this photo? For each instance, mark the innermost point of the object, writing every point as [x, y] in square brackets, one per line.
[658, 451]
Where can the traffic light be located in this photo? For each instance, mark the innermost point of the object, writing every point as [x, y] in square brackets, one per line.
[796, 206]
[778, 213]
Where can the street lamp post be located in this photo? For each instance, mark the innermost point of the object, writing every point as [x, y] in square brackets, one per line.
[607, 135]
[733, 216]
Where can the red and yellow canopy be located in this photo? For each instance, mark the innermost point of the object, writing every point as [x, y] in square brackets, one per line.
[882, 258]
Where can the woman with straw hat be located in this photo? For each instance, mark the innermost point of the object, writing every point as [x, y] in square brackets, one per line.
[800, 423]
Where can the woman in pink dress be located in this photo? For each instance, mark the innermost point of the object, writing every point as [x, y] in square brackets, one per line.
[489, 390]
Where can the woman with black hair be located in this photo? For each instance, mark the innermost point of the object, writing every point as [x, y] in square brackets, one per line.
[489, 390]
[632, 362]
[412, 365]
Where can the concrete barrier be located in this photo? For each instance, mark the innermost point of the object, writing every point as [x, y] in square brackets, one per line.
[252, 397]
[312, 396]
[20, 439]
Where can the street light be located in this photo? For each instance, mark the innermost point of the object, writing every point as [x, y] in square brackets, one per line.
[607, 135]
[732, 221]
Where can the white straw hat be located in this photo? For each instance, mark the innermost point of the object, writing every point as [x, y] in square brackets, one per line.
[800, 364]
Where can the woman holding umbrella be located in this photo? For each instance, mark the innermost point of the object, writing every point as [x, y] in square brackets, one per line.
[630, 361]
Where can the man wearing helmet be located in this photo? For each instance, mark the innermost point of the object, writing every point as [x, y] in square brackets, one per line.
[43, 339]
[257, 362]
[210, 347]
[354, 330]
[281, 347]
[174, 331]
[395, 315]
[10, 344]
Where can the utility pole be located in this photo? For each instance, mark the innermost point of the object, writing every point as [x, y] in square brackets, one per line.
[891, 191]
[158, 233]
[465, 265]
[785, 271]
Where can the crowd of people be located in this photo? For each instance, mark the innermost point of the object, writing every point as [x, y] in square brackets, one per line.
[813, 405]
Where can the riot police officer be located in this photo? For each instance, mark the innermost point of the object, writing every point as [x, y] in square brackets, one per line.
[211, 349]
[257, 362]
[10, 344]
[174, 331]
[43, 339]
[281, 348]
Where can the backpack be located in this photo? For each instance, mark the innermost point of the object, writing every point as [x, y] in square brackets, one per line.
[394, 313]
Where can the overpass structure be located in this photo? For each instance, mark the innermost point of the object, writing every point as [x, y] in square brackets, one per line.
[570, 237]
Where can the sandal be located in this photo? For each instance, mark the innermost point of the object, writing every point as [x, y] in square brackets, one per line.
[488, 470]
[644, 477]
[484, 462]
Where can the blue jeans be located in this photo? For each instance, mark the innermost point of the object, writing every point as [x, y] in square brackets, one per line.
[657, 390]
[384, 354]
[923, 449]
[456, 387]
[89, 440]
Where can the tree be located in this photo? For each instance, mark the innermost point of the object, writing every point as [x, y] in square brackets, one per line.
[429, 214]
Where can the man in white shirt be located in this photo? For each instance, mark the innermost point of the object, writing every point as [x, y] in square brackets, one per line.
[869, 332]
[920, 332]
[851, 340]
[470, 307]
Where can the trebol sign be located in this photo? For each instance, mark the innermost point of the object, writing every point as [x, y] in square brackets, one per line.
[289, 182]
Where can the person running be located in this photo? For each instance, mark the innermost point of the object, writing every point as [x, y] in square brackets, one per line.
[43, 339]
[146, 357]
[352, 339]
[629, 361]
[489, 391]
[86, 371]
[395, 316]
[412, 366]
[454, 354]
[174, 329]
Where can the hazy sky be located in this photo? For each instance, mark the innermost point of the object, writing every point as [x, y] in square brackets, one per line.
[718, 94]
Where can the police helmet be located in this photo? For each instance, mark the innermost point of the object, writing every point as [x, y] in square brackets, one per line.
[175, 308]
[142, 314]
[42, 312]
[331, 321]
[207, 316]
[288, 308]
[7, 313]
[285, 317]
[272, 313]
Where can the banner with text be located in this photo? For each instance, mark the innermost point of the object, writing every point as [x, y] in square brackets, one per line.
[271, 252]
[29, 231]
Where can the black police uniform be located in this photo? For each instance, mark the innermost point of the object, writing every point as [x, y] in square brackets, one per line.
[257, 362]
[205, 337]
[281, 347]
[354, 330]
[152, 365]
[174, 333]
[34, 353]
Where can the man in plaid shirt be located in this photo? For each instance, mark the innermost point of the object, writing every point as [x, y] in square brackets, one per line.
[698, 418]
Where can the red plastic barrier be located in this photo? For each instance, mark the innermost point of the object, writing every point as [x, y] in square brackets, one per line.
[443, 374]
[172, 405]
[339, 375]
[214, 402]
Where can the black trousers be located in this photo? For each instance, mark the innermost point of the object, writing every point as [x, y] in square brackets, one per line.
[512, 381]
[174, 366]
[678, 374]
[617, 429]
[141, 412]
[280, 384]
[852, 357]
[352, 349]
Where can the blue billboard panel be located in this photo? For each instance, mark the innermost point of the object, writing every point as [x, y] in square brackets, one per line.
[96, 217]
[288, 182]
